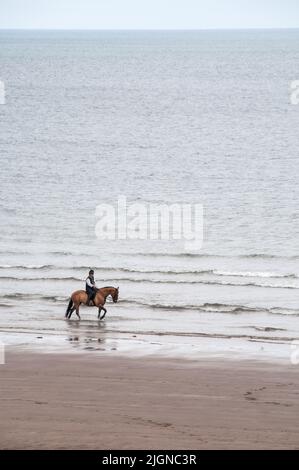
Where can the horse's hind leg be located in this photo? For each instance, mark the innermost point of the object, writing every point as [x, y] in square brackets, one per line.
[71, 311]
[77, 312]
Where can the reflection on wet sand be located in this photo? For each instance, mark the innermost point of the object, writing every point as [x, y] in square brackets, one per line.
[87, 335]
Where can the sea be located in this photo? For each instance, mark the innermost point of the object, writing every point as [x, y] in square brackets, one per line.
[157, 117]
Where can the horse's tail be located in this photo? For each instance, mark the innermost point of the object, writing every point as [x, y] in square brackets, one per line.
[69, 307]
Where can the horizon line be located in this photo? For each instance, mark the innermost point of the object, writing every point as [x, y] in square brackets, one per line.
[252, 28]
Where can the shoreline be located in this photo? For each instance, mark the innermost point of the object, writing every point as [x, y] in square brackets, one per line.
[136, 334]
[87, 401]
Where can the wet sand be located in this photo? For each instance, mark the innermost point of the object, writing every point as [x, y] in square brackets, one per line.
[83, 401]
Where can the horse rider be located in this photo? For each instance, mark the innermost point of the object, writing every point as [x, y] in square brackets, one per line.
[90, 287]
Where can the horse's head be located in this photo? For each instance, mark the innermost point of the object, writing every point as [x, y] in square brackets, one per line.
[114, 295]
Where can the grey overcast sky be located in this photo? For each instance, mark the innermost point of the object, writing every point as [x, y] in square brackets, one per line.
[148, 14]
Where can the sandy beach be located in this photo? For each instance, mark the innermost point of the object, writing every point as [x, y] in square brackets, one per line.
[83, 401]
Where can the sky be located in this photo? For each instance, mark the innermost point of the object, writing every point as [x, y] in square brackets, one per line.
[148, 14]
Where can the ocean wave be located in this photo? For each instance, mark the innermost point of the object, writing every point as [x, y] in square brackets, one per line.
[153, 281]
[215, 308]
[27, 266]
[254, 274]
[204, 307]
[55, 267]
[197, 255]
[249, 337]
[106, 268]
[210, 255]
[24, 297]
[55, 253]
[46, 278]
[198, 272]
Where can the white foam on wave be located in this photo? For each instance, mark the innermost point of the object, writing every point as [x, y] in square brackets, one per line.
[253, 274]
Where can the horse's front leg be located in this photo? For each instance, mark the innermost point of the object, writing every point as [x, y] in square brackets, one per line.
[105, 311]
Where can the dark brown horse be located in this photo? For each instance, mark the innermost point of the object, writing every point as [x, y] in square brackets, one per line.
[80, 297]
